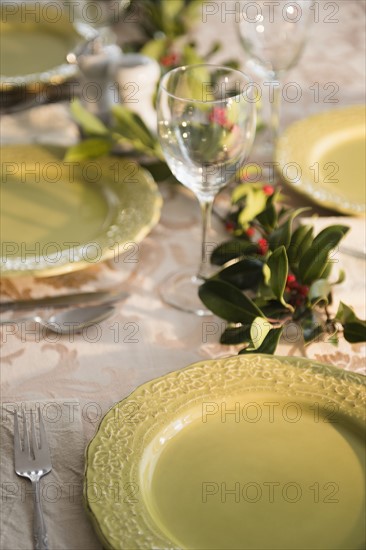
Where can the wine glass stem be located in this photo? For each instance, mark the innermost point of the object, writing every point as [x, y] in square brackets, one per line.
[276, 111]
[206, 209]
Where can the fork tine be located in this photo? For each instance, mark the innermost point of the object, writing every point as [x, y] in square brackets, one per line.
[33, 435]
[26, 435]
[42, 432]
[17, 443]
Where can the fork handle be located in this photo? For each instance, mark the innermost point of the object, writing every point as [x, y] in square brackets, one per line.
[39, 527]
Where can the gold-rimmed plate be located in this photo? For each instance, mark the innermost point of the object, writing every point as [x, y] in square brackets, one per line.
[37, 39]
[323, 157]
[59, 216]
[246, 452]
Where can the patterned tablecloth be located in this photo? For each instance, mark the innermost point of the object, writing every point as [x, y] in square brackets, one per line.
[145, 338]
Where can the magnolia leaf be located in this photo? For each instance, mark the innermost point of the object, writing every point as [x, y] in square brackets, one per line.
[87, 149]
[319, 292]
[345, 314]
[269, 344]
[244, 274]
[231, 250]
[236, 335]
[268, 218]
[228, 302]
[355, 331]
[259, 331]
[90, 124]
[315, 260]
[278, 264]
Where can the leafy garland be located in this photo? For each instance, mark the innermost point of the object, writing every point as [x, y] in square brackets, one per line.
[274, 275]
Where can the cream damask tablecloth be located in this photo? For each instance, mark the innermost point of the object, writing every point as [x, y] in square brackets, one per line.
[146, 338]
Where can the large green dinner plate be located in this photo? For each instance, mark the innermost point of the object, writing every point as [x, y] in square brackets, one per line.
[35, 41]
[58, 216]
[251, 452]
[324, 158]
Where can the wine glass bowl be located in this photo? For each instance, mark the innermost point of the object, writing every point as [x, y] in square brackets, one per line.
[206, 126]
[274, 35]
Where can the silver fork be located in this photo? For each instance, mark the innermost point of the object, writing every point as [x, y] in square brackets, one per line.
[33, 461]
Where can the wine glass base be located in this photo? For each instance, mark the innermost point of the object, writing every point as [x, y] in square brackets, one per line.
[180, 290]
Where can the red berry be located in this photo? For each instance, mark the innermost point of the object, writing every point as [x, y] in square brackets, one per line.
[262, 246]
[268, 190]
[303, 290]
[250, 231]
[169, 60]
[291, 279]
[218, 115]
[230, 226]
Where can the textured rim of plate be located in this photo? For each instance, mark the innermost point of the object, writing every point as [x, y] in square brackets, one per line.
[113, 456]
[56, 75]
[292, 147]
[112, 239]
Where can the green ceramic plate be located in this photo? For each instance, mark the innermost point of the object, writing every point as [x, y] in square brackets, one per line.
[58, 216]
[245, 452]
[324, 158]
[35, 40]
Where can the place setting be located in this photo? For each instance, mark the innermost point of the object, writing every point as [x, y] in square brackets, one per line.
[182, 273]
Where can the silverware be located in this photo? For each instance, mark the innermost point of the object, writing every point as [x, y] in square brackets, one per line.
[33, 461]
[69, 321]
[66, 300]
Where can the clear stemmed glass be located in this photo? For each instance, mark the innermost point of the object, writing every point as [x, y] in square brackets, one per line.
[206, 127]
[274, 35]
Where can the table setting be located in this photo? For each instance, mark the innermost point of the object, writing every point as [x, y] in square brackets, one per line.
[182, 274]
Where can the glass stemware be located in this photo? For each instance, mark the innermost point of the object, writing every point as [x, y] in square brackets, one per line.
[206, 127]
[274, 35]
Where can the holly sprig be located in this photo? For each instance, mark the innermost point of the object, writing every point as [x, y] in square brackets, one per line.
[274, 272]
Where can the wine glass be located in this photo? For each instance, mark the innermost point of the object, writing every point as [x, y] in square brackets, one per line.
[206, 126]
[274, 35]
[97, 17]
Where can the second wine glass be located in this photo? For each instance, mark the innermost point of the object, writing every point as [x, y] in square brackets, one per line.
[274, 35]
[206, 127]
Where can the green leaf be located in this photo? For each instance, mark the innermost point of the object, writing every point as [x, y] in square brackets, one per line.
[341, 277]
[228, 302]
[91, 124]
[131, 125]
[355, 331]
[159, 170]
[311, 328]
[282, 235]
[268, 218]
[327, 233]
[155, 48]
[300, 242]
[319, 292]
[87, 149]
[255, 203]
[278, 264]
[170, 9]
[269, 344]
[259, 331]
[315, 260]
[236, 335]
[231, 250]
[243, 274]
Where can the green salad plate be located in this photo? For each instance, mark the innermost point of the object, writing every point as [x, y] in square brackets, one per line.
[246, 452]
[58, 216]
[324, 158]
[38, 44]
